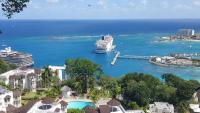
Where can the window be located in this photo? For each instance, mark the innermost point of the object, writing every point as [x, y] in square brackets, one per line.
[16, 103]
[7, 100]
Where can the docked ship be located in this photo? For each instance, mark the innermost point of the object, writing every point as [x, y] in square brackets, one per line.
[18, 58]
[105, 44]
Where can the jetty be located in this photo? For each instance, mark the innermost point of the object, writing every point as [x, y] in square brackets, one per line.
[115, 58]
[135, 57]
[118, 56]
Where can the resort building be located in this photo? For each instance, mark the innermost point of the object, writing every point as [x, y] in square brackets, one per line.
[161, 107]
[9, 101]
[47, 105]
[186, 32]
[22, 78]
[195, 108]
[58, 71]
[113, 106]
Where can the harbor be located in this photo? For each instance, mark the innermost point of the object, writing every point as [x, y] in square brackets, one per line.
[55, 49]
[179, 59]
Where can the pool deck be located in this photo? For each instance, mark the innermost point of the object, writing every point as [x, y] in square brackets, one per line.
[102, 101]
[77, 99]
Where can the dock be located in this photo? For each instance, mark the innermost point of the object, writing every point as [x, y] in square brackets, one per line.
[135, 57]
[118, 56]
[115, 58]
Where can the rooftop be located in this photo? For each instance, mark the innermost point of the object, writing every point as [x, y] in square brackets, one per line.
[3, 91]
[114, 102]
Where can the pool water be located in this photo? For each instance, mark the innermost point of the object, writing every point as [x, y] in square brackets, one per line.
[79, 105]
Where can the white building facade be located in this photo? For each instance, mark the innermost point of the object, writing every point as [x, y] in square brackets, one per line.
[9, 98]
[161, 107]
[58, 71]
[26, 78]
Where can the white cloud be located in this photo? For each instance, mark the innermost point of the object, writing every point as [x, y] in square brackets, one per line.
[52, 1]
[144, 2]
[102, 3]
[165, 4]
[196, 2]
[132, 4]
[182, 6]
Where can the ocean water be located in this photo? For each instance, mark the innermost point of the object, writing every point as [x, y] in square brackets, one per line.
[52, 41]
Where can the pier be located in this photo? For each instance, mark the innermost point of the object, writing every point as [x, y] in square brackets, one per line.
[115, 58]
[135, 57]
[117, 55]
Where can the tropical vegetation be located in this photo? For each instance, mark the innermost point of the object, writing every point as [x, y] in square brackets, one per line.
[4, 66]
[74, 111]
[138, 90]
[84, 72]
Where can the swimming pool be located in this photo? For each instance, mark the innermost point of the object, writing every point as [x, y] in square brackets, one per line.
[79, 105]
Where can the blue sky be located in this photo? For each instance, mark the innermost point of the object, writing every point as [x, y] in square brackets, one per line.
[109, 9]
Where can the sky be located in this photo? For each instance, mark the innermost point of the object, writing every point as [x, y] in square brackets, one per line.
[109, 9]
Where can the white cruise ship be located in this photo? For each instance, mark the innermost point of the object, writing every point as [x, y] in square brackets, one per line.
[18, 58]
[105, 44]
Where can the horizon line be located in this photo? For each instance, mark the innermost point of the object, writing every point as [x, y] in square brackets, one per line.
[110, 19]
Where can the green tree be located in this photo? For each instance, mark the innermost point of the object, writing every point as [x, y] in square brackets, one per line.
[183, 107]
[144, 89]
[46, 77]
[165, 93]
[139, 87]
[4, 66]
[110, 85]
[83, 71]
[72, 83]
[95, 95]
[11, 7]
[133, 105]
[74, 111]
[2, 84]
[185, 88]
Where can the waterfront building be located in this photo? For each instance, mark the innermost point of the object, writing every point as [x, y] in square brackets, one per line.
[195, 108]
[161, 107]
[22, 78]
[9, 100]
[58, 71]
[186, 32]
[112, 106]
[18, 58]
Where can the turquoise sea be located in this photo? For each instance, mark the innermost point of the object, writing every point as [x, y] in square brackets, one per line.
[52, 41]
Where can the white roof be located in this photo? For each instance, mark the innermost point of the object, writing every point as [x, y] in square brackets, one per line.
[17, 72]
[56, 67]
[162, 105]
[195, 107]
